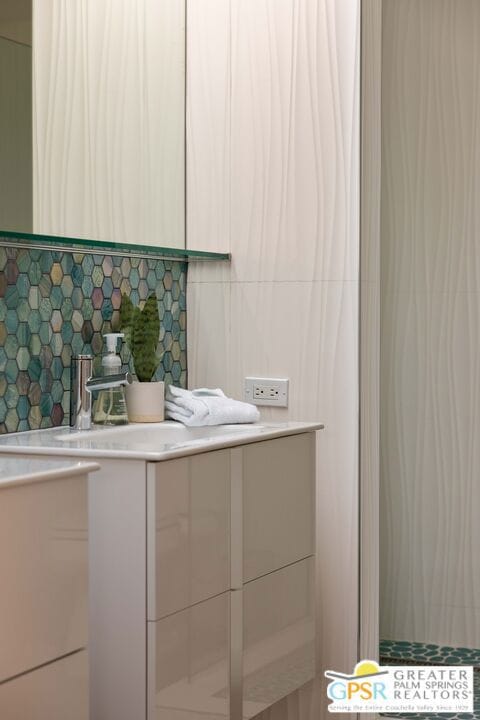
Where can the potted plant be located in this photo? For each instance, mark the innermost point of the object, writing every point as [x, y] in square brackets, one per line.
[141, 326]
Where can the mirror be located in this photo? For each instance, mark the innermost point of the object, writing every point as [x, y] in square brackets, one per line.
[93, 140]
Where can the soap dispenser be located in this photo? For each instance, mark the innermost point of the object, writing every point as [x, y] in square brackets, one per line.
[111, 407]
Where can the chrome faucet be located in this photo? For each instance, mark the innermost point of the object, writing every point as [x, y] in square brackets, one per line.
[82, 386]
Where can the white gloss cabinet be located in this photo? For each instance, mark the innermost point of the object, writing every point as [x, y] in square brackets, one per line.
[188, 556]
[230, 579]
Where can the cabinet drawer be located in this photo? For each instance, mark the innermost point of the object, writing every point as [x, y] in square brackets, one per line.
[278, 635]
[278, 503]
[188, 531]
[44, 573]
[188, 663]
[58, 691]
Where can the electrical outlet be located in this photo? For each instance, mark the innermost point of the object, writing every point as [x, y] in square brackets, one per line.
[267, 391]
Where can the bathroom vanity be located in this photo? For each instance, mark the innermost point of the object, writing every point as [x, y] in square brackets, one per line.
[202, 580]
[43, 595]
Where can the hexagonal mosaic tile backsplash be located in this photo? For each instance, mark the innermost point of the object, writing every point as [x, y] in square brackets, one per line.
[57, 304]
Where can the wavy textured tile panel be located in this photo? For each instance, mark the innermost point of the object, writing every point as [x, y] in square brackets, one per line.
[273, 129]
[430, 344]
[108, 119]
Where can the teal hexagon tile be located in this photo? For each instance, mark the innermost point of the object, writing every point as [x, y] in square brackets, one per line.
[57, 391]
[67, 286]
[46, 261]
[3, 361]
[87, 309]
[46, 356]
[87, 286]
[23, 358]
[143, 290]
[34, 321]
[45, 309]
[67, 309]
[3, 410]
[56, 297]
[23, 407]
[87, 264]
[107, 309]
[34, 417]
[66, 356]
[45, 422]
[97, 343]
[3, 309]
[34, 273]
[45, 286]
[77, 320]
[116, 277]
[23, 310]
[67, 332]
[45, 332]
[34, 368]
[11, 321]
[56, 344]
[135, 297]
[35, 344]
[159, 269]
[57, 367]
[46, 404]
[97, 276]
[56, 321]
[3, 386]
[77, 344]
[11, 346]
[11, 396]
[107, 287]
[34, 392]
[23, 334]
[135, 262]
[67, 263]
[23, 285]
[11, 420]
[77, 298]
[34, 298]
[134, 278]
[45, 381]
[151, 279]
[11, 297]
[176, 371]
[77, 274]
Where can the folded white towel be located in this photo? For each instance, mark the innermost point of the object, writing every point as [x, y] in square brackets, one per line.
[207, 407]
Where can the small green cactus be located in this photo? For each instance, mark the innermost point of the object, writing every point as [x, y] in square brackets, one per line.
[142, 331]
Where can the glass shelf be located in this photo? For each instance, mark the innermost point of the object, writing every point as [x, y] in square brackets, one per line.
[53, 242]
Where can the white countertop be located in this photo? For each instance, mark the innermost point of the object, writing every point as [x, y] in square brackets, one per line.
[21, 471]
[145, 441]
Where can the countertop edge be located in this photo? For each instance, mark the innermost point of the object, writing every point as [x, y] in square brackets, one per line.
[80, 468]
[64, 451]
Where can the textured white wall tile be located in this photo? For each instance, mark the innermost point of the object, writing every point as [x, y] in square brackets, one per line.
[430, 374]
[108, 119]
[208, 344]
[294, 140]
[291, 166]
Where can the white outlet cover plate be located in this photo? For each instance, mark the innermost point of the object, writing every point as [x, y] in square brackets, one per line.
[267, 391]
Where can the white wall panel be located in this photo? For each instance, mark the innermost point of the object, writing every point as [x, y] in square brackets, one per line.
[108, 119]
[430, 372]
[273, 132]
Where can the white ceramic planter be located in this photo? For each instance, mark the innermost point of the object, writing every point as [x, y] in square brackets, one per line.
[145, 401]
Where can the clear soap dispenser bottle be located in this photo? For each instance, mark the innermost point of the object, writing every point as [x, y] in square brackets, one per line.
[111, 407]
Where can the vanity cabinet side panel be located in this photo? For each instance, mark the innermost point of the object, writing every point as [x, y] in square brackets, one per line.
[118, 579]
[43, 571]
[278, 503]
[188, 531]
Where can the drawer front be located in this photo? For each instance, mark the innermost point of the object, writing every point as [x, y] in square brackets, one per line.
[188, 663]
[278, 635]
[278, 503]
[188, 531]
[44, 571]
[58, 691]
